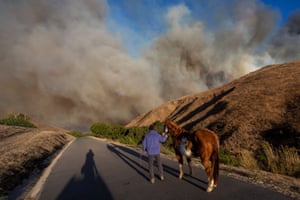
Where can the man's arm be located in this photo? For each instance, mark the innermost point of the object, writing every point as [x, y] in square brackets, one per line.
[163, 137]
[144, 144]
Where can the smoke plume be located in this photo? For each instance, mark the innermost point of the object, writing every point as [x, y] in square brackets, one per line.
[60, 64]
[286, 43]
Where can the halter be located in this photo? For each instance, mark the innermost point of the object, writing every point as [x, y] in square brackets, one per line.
[178, 132]
[166, 131]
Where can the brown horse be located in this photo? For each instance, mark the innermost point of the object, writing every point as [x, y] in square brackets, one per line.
[202, 142]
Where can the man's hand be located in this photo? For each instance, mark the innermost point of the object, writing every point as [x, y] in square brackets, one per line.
[164, 134]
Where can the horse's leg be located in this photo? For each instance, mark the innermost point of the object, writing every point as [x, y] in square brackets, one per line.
[209, 172]
[190, 165]
[188, 153]
[207, 167]
[215, 161]
[180, 161]
[205, 158]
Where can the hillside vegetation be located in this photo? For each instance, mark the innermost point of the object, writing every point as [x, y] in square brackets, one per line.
[256, 117]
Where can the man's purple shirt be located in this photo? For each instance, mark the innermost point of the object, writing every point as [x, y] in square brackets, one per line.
[151, 142]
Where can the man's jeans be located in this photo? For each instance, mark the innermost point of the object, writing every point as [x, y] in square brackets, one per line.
[151, 159]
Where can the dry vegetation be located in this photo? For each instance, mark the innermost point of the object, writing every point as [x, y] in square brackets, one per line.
[23, 149]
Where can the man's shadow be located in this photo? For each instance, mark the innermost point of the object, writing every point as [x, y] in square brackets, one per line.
[89, 169]
[89, 186]
[129, 157]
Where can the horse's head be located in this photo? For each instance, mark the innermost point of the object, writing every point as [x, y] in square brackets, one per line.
[172, 128]
[181, 138]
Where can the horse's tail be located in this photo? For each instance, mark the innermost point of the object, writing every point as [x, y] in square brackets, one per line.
[215, 159]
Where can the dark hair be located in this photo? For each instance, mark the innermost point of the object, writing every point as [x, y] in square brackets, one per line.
[151, 127]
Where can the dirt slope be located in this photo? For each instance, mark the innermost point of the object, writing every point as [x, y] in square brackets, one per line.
[262, 105]
[22, 150]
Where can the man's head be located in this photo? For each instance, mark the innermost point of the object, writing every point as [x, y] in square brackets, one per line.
[151, 127]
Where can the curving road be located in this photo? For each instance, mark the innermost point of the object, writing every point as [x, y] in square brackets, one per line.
[93, 169]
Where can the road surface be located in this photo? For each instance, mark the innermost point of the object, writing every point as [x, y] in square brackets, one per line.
[93, 169]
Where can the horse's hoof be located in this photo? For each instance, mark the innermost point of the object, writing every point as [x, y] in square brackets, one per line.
[180, 175]
[209, 189]
[152, 180]
[215, 186]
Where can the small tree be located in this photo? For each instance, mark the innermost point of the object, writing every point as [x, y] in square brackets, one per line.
[102, 129]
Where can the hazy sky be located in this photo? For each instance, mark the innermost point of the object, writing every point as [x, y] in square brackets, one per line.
[75, 62]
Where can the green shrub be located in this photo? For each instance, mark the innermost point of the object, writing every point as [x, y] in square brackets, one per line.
[137, 134]
[76, 133]
[132, 135]
[159, 126]
[102, 129]
[18, 120]
[228, 159]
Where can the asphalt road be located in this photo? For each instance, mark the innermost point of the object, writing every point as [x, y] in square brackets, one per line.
[93, 169]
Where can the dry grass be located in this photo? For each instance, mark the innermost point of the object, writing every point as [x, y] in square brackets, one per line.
[22, 152]
[282, 160]
[247, 160]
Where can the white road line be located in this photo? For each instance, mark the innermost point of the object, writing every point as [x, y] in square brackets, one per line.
[36, 190]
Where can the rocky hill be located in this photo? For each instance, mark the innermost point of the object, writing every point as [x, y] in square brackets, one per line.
[262, 106]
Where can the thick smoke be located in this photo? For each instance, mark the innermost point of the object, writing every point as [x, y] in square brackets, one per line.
[60, 64]
[192, 58]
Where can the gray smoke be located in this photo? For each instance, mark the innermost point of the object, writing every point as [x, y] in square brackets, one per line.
[286, 43]
[60, 64]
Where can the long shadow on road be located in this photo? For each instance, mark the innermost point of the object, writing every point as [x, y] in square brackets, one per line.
[88, 186]
[130, 157]
[137, 166]
[187, 178]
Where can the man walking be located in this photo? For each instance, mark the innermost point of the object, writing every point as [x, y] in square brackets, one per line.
[151, 144]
